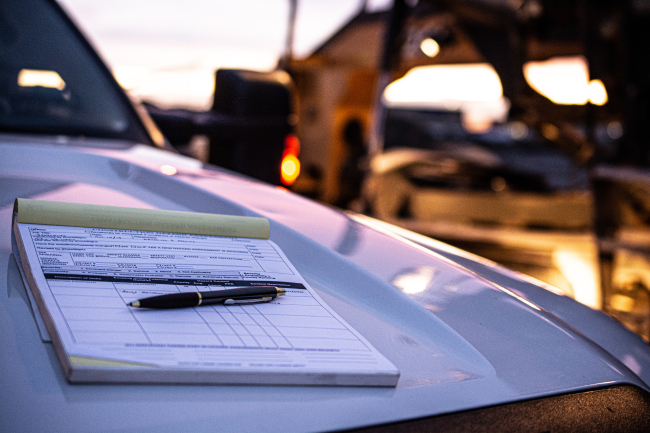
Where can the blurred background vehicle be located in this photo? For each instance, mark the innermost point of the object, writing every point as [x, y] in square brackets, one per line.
[510, 129]
[248, 129]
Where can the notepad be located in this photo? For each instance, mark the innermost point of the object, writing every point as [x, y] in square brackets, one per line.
[85, 263]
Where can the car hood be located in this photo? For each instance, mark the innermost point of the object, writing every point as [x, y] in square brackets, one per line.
[464, 332]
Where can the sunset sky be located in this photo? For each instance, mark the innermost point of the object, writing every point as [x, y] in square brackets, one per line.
[167, 50]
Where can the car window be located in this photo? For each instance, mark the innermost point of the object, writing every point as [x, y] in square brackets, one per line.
[50, 80]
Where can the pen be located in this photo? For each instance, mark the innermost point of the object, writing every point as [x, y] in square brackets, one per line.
[242, 295]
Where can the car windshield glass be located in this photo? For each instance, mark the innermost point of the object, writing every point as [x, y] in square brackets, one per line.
[51, 82]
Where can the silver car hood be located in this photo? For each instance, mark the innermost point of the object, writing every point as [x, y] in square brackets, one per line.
[464, 332]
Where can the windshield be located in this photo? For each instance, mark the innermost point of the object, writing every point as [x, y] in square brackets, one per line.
[52, 82]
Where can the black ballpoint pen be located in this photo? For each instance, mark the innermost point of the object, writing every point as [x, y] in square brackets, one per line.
[242, 295]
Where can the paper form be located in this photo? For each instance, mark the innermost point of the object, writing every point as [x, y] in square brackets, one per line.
[87, 276]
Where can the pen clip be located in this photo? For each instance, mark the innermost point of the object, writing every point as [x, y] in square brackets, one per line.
[247, 301]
